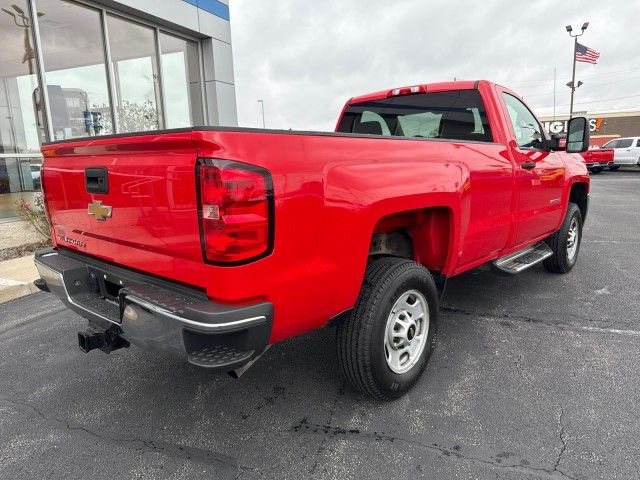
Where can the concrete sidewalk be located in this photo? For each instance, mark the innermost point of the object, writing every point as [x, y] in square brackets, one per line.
[16, 278]
[16, 233]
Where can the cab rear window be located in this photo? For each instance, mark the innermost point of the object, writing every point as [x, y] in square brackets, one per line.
[452, 115]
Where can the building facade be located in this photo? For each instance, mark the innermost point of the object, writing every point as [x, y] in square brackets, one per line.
[76, 68]
[603, 126]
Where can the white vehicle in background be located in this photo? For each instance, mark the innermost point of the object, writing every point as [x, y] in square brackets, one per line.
[626, 151]
[35, 175]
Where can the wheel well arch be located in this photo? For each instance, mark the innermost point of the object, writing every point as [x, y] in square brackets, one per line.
[579, 194]
[423, 235]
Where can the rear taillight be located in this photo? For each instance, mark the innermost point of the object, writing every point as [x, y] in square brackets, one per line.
[236, 211]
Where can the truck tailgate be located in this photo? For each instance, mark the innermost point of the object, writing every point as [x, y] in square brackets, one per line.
[598, 155]
[147, 203]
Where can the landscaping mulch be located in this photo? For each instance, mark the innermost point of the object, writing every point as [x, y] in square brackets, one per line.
[22, 250]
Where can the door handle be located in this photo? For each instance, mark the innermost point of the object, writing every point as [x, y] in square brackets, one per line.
[528, 165]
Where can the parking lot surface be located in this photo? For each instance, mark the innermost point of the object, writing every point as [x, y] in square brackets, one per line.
[534, 376]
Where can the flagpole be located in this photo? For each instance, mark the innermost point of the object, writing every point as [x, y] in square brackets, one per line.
[554, 94]
[573, 77]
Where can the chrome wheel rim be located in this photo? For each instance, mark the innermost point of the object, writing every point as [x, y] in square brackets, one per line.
[406, 331]
[573, 239]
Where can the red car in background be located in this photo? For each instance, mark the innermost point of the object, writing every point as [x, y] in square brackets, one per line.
[598, 158]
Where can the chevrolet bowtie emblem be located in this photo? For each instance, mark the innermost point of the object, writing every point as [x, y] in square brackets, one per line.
[101, 212]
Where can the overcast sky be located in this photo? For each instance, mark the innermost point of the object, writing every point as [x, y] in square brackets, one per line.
[306, 58]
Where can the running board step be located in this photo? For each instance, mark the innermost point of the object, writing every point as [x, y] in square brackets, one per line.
[522, 259]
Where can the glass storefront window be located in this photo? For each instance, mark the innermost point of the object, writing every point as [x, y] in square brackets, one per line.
[21, 110]
[78, 81]
[181, 77]
[19, 179]
[73, 56]
[20, 174]
[135, 73]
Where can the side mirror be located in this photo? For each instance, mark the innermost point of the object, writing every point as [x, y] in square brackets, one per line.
[578, 136]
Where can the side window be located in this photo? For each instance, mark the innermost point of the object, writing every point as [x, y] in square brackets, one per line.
[638, 143]
[452, 115]
[624, 143]
[526, 127]
[371, 123]
[478, 121]
[420, 124]
[611, 144]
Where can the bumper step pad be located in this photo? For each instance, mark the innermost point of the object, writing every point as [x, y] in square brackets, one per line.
[218, 356]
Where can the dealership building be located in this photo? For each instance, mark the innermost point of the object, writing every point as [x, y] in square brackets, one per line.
[604, 126]
[72, 69]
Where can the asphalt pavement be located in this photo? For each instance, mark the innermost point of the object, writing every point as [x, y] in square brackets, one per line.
[534, 377]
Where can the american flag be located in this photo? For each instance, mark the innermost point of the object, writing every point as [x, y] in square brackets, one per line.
[586, 54]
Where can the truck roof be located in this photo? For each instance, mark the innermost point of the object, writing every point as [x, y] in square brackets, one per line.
[420, 88]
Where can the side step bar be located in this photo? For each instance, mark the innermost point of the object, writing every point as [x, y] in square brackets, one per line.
[522, 259]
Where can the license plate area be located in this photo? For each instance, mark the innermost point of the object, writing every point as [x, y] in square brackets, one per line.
[106, 284]
[95, 290]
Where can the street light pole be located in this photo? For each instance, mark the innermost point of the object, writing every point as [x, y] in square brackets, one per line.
[21, 20]
[572, 85]
[261, 102]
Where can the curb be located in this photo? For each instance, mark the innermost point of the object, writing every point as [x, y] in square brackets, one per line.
[8, 293]
[16, 278]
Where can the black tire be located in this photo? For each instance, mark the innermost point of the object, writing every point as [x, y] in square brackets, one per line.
[560, 261]
[597, 169]
[360, 339]
[613, 168]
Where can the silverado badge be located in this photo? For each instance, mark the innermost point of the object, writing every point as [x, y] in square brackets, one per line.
[101, 212]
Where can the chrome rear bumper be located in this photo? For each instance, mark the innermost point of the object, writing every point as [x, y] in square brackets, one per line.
[156, 314]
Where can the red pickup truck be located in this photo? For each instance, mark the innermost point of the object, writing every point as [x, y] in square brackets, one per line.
[598, 158]
[212, 243]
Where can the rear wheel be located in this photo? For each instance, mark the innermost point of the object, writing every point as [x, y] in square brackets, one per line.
[597, 169]
[386, 343]
[613, 168]
[565, 243]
